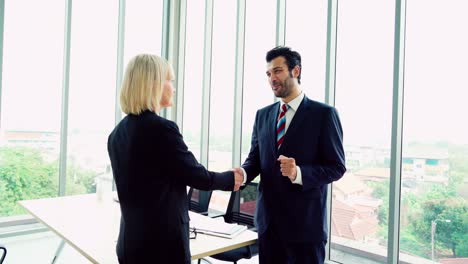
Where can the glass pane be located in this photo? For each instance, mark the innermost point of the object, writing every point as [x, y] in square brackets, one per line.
[193, 81]
[222, 85]
[260, 30]
[364, 69]
[434, 207]
[143, 27]
[222, 94]
[31, 102]
[311, 44]
[92, 94]
[248, 199]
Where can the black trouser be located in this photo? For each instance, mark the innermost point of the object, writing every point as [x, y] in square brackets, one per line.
[272, 250]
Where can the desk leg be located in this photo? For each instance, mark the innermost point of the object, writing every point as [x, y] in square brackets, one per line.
[201, 261]
[59, 250]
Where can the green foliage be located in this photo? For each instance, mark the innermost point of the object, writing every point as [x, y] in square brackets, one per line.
[24, 174]
[380, 191]
[250, 192]
[462, 248]
[439, 207]
[458, 156]
[80, 180]
[411, 244]
[418, 209]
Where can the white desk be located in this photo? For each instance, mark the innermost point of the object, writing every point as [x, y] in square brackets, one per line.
[92, 226]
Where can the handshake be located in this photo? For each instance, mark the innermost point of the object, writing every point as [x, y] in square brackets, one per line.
[238, 178]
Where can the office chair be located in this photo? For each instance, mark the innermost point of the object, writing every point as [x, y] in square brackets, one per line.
[199, 200]
[241, 210]
[3, 254]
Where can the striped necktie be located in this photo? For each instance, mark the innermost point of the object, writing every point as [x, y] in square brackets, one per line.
[281, 125]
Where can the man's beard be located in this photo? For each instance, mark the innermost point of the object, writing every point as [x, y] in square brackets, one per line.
[284, 91]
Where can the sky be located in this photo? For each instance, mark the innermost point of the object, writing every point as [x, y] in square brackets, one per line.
[436, 63]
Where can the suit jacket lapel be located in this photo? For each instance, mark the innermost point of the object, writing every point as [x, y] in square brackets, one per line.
[296, 121]
[273, 115]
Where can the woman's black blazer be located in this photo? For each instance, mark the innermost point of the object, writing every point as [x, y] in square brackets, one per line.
[152, 168]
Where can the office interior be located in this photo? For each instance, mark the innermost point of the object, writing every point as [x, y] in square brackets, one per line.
[394, 70]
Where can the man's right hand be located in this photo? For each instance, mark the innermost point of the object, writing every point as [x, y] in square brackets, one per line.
[238, 178]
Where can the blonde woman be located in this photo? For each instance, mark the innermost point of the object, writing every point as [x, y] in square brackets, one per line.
[152, 168]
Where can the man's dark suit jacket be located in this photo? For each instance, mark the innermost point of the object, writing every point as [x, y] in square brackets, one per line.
[315, 140]
[152, 168]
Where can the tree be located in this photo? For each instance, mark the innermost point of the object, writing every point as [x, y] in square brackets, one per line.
[410, 243]
[440, 202]
[380, 191]
[458, 168]
[24, 174]
[462, 248]
[449, 235]
[79, 180]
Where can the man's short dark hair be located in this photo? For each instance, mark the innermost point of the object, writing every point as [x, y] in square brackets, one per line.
[292, 58]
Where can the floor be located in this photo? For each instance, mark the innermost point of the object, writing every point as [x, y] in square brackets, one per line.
[40, 248]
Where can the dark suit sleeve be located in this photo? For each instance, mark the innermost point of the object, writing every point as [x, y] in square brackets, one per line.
[190, 171]
[331, 154]
[252, 163]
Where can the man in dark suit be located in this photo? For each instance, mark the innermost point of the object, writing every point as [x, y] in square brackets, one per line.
[297, 148]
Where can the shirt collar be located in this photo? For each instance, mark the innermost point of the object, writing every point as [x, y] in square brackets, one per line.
[294, 104]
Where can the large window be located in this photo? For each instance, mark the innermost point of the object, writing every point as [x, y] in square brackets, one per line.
[31, 102]
[193, 79]
[364, 66]
[32, 92]
[306, 32]
[221, 123]
[92, 93]
[434, 208]
[259, 39]
[222, 85]
[143, 27]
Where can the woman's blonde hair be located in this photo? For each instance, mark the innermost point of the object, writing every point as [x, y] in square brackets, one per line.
[143, 83]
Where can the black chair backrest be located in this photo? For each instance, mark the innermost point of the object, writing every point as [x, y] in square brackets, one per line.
[3, 254]
[242, 205]
[241, 210]
[199, 200]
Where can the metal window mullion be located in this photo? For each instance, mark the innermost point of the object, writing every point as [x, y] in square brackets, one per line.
[2, 24]
[239, 84]
[179, 61]
[206, 86]
[280, 22]
[280, 28]
[174, 51]
[397, 130]
[330, 89]
[166, 40]
[165, 28]
[120, 58]
[119, 66]
[330, 71]
[65, 97]
[173, 38]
